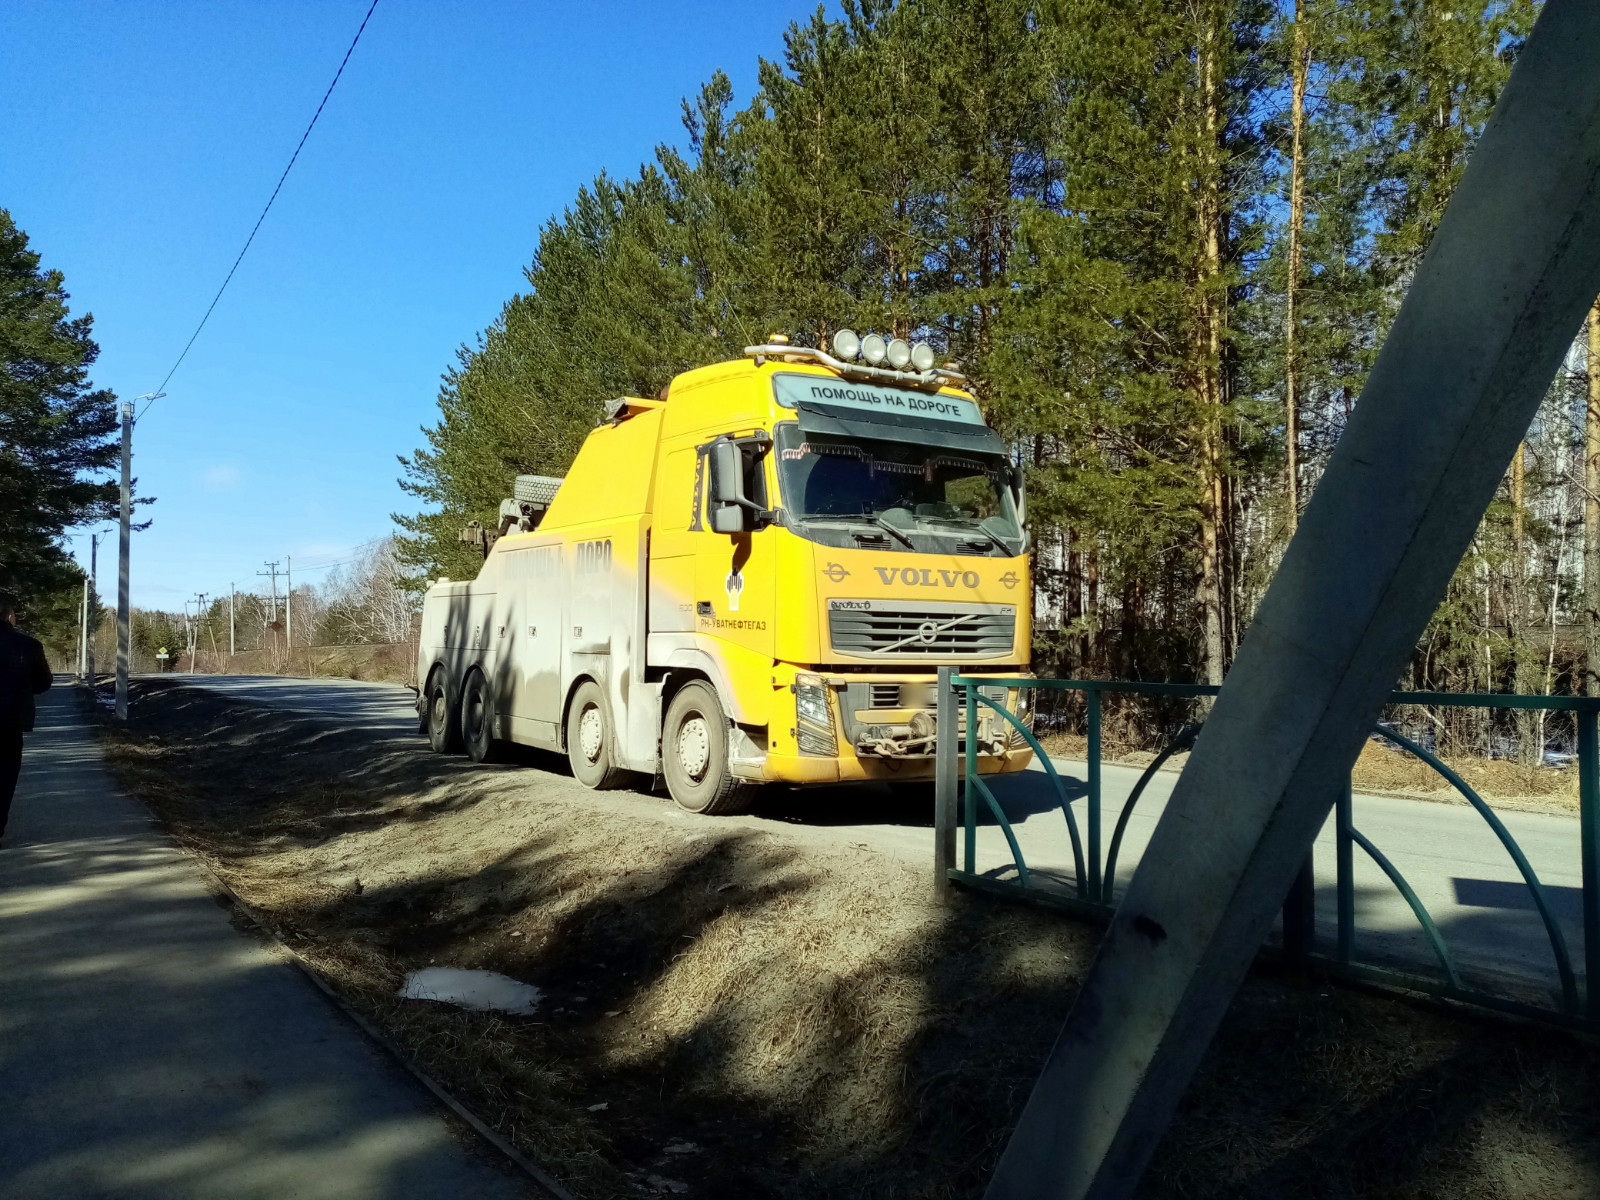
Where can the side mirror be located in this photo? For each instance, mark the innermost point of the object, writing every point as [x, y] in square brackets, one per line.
[727, 470]
[731, 510]
[1019, 497]
[728, 502]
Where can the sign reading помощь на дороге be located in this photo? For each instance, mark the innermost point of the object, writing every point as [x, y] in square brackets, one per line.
[791, 390]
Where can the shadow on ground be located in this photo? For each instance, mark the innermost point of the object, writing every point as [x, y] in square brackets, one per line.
[741, 1013]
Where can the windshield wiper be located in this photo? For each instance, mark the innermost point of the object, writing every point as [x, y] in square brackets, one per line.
[882, 524]
[996, 540]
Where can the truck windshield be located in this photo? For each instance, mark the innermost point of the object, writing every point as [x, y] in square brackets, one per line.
[910, 488]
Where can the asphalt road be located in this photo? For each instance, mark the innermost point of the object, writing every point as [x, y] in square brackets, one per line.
[383, 708]
[1446, 852]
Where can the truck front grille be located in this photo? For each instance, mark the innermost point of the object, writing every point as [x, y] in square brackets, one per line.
[887, 629]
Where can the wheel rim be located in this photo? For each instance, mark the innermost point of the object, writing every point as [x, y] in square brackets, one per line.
[694, 747]
[437, 713]
[591, 727]
[474, 716]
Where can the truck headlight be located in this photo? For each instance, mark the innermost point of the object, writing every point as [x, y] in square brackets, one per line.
[814, 718]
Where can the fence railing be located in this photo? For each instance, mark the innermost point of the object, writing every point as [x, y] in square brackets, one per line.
[1088, 891]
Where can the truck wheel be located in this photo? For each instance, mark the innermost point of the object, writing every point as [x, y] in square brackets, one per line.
[589, 740]
[694, 754]
[444, 731]
[477, 719]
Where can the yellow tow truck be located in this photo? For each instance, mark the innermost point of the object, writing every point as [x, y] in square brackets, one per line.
[748, 580]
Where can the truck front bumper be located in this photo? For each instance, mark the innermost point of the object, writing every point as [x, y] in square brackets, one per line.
[845, 728]
[848, 768]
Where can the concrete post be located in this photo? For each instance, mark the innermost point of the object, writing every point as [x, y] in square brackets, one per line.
[94, 582]
[945, 750]
[1493, 307]
[122, 561]
[83, 633]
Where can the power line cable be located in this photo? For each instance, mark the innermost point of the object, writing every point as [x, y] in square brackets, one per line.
[265, 210]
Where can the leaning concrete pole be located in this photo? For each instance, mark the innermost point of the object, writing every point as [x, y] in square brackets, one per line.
[122, 562]
[1494, 305]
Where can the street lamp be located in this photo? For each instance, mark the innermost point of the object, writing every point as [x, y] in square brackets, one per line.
[122, 551]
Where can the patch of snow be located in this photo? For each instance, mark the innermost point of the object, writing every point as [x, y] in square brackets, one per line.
[481, 991]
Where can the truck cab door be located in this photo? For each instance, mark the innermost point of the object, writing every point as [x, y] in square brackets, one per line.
[735, 577]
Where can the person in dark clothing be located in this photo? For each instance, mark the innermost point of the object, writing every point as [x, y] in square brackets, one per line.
[24, 673]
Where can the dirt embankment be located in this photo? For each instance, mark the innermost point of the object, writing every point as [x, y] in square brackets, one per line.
[740, 1012]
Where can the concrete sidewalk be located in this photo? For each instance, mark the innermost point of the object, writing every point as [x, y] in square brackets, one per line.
[150, 1049]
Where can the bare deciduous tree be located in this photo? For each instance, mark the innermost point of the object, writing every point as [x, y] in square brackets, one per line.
[370, 601]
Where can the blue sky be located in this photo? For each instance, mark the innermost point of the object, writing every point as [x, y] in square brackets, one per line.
[140, 141]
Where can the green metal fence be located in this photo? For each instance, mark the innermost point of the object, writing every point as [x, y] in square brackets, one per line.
[961, 790]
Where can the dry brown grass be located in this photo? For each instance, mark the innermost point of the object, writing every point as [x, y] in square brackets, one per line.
[386, 663]
[792, 1006]
[1384, 770]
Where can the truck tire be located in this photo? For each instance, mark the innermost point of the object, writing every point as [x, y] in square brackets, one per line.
[694, 754]
[478, 719]
[589, 739]
[444, 728]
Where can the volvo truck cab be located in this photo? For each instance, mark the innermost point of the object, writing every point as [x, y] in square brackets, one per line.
[749, 581]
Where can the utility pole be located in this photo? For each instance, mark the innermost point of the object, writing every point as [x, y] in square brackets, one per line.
[288, 605]
[194, 629]
[83, 632]
[122, 551]
[92, 586]
[272, 570]
[231, 626]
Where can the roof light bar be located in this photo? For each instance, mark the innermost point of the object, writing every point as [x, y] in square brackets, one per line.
[874, 350]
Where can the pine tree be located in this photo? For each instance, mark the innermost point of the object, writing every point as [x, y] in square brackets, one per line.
[1166, 240]
[621, 299]
[1122, 350]
[55, 427]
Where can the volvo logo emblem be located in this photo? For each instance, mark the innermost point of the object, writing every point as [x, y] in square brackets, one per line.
[1010, 580]
[926, 632]
[835, 572]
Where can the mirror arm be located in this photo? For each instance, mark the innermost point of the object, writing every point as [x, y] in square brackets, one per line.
[763, 516]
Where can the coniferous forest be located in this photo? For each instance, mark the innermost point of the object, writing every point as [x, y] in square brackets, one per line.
[1165, 239]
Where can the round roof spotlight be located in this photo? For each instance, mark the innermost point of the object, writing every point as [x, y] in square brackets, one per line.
[922, 356]
[873, 348]
[899, 354]
[846, 344]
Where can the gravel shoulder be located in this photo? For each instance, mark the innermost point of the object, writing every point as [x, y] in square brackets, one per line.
[734, 1010]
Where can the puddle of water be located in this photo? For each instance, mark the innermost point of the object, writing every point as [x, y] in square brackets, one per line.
[481, 991]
